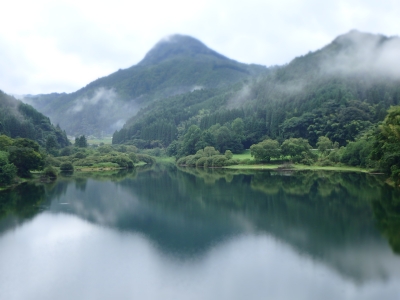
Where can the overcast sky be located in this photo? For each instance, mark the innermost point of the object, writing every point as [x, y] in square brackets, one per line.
[60, 46]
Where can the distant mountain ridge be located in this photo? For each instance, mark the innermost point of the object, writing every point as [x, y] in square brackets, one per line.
[175, 65]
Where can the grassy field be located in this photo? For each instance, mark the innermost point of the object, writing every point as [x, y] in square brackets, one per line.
[244, 155]
[106, 140]
[165, 159]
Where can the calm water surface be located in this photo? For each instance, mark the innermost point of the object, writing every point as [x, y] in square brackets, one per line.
[190, 234]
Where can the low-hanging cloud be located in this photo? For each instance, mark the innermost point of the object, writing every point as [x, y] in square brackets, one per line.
[104, 96]
[110, 110]
[363, 53]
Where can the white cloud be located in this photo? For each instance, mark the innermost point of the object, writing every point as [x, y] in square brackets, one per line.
[49, 46]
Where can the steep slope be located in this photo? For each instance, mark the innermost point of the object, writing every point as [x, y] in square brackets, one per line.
[175, 65]
[337, 91]
[22, 120]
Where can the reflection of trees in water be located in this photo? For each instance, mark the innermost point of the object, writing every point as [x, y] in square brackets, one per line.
[387, 214]
[323, 214]
[23, 201]
[20, 204]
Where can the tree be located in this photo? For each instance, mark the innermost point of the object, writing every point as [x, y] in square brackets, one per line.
[264, 151]
[386, 148]
[67, 167]
[5, 142]
[298, 149]
[190, 139]
[81, 141]
[210, 151]
[7, 170]
[228, 154]
[238, 127]
[25, 159]
[324, 144]
[52, 145]
[26, 143]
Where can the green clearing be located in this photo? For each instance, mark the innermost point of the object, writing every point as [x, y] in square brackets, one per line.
[165, 159]
[245, 155]
[96, 141]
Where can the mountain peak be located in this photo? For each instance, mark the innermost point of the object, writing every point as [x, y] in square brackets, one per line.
[355, 37]
[177, 45]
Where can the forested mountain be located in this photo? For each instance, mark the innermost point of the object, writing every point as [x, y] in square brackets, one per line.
[338, 91]
[18, 119]
[176, 65]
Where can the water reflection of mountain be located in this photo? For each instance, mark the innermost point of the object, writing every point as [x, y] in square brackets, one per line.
[330, 217]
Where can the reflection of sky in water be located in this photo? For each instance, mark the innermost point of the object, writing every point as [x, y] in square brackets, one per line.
[176, 237]
[62, 257]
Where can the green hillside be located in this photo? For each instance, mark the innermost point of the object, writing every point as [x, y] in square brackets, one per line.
[338, 91]
[22, 120]
[176, 65]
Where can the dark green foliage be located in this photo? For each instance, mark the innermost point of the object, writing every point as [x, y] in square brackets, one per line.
[52, 145]
[25, 156]
[22, 120]
[123, 161]
[66, 151]
[207, 157]
[66, 167]
[298, 150]
[50, 172]
[7, 171]
[81, 141]
[5, 142]
[357, 153]
[264, 151]
[386, 147]
[145, 158]
[228, 154]
[324, 145]
[26, 143]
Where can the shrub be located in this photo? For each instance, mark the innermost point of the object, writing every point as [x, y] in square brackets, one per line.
[133, 157]
[66, 166]
[51, 161]
[181, 161]
[219, 161]
[146, 158]
[66, 151]
[191, 160]
[80, 155]
[7, 173]
[50, 172]
[122, 161]
[201, 161]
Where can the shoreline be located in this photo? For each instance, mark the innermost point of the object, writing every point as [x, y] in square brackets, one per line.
[304, 168]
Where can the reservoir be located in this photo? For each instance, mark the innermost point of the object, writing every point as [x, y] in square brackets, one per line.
[169, 233]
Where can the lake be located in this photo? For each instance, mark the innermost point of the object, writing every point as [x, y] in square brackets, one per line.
[168, 233]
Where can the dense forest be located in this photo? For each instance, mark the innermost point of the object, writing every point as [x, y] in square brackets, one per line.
[21, 120]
